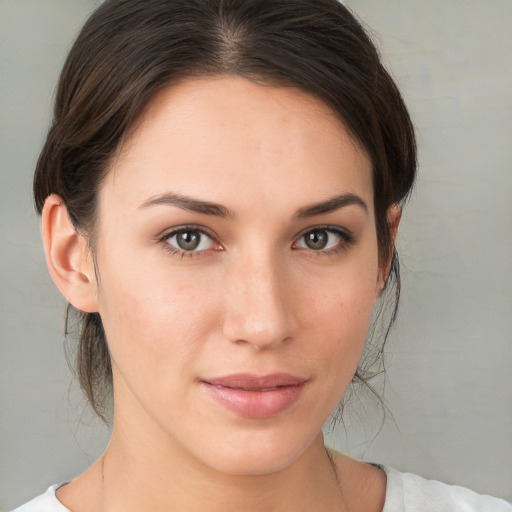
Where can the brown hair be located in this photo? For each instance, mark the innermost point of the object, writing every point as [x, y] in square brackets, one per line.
[129, 49]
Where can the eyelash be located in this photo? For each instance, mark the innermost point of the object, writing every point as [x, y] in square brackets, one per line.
[347, 239]
[183, 253]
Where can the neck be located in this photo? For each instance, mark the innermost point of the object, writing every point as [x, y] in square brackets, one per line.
[165, 479]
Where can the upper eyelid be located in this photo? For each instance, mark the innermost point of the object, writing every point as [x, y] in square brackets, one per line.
[191, 227]
[327, 227]
[166, 234]
[347, 238]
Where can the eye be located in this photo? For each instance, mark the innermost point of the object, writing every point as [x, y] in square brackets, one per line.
[189, 240]
[323, 239]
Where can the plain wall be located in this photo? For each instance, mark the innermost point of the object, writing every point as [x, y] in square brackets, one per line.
[449, 381]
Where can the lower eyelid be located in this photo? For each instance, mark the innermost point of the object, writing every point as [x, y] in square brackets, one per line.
[345, 238]
[175, 250]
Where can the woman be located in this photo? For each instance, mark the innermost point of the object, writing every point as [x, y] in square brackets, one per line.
[220, 193]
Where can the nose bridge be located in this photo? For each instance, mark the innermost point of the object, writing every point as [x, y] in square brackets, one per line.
[258, 305]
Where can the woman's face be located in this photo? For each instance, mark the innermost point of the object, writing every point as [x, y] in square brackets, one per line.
[237, 271]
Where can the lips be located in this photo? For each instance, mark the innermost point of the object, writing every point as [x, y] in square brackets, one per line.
[253, 396]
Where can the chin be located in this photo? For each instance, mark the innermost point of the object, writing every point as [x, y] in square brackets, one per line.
[259, 453]
[256, 465]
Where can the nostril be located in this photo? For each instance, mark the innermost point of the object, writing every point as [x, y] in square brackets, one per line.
[259, 344]
[258, 308]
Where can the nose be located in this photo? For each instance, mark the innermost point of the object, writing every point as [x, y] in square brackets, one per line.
[259, 308]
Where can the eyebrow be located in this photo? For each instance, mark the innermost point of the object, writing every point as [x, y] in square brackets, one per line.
[218, 210]
[188, 203]
[332, 204]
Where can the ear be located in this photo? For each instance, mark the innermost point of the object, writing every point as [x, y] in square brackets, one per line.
[68, 256]
[393, 218]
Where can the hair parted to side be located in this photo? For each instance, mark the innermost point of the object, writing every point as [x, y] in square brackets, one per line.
[128, 50]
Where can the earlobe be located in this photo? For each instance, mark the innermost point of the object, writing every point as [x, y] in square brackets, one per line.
[68, 257]
[394, 216]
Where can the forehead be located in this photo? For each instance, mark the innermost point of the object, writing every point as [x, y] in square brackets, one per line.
[222, 137]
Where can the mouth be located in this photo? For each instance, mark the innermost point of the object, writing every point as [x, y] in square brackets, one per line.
[252, 396]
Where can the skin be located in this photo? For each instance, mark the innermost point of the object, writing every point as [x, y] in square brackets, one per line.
[253, 298]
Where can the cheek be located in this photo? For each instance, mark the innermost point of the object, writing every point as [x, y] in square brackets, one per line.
[153, 318]
[346, 320]
[340, 318]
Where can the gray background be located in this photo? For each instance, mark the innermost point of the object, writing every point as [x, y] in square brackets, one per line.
[449, 381]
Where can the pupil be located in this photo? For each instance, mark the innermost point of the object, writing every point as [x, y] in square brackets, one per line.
[188, 240]
[316, 240]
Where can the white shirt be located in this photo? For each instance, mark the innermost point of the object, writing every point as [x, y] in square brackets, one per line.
[405, 492]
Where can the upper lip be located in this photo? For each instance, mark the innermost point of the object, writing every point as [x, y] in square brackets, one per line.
[253, 382]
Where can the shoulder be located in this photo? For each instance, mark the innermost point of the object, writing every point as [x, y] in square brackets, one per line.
[406, 492]
[47, 502]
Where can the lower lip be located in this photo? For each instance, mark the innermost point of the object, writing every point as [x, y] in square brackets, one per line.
[256, 404]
